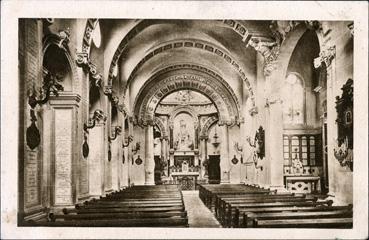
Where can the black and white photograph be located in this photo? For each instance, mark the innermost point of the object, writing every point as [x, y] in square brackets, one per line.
[177, 117]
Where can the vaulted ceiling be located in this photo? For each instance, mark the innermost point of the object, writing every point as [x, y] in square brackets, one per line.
[139, 48]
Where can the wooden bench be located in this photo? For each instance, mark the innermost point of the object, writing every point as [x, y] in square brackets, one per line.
[221, 200]
[251, 214]
[139, 206]
[230, 213]
[132, 222]
[296, 215]
[305, 223]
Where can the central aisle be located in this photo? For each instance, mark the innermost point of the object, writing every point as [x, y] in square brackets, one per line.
[199, 216]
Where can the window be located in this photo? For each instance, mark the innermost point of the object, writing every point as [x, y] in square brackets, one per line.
[293, 100]
[305, 147]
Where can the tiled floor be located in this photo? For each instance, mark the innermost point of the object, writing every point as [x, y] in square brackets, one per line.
[198, 214]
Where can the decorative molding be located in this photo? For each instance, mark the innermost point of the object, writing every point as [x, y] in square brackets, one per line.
[83, 57]
[161, 126]
[269, 49]
[280, 29]
[326, 56]
[154, 90]
[205, 128]
[90, 27]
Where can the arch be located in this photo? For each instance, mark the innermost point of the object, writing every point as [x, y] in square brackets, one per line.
[87, 35]
[191, 77]
[195, 44]
[180, 109]
[158, 122]
[208, 123]
[235, 25]
[61, 41]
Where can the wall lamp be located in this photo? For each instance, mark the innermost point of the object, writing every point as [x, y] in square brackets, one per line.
[130, 139]
[50, 84]
[108, 91]
[117, 131]
[97, 116]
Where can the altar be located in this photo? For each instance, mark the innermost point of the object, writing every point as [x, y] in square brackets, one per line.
[186, 180]
[302, 183]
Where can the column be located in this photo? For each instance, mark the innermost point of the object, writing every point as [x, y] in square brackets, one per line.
[96, 160]
[203, 146]
[149, 156]
[64, 150]
[224, 158]
[115, 166]
[274, 138]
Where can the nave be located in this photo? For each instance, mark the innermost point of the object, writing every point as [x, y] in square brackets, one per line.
[123, 120]
[233, 205]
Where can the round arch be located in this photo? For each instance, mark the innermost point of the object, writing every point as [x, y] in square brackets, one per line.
[181, 109]
[208, 123]
[190, 77]
[158, 122]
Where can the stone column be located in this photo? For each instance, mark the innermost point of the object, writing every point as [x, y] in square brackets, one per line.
[149, 156]
[115, 163]
[275, 142]
[224, 158]
[97, 159]
[65, 162]
[171, 143]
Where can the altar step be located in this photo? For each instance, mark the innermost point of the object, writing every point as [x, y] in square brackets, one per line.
[199, 216]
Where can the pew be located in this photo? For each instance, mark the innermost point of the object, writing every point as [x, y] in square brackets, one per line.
[305, 223]
[132, 222]
[138, 206]
[249, 218]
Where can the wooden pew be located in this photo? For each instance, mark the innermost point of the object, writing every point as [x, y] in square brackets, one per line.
[230, 213]
[249, 218]
[127, 215]
[250, 214]
[305, 223]
[123, 210]
[221, 200]
[132, 222]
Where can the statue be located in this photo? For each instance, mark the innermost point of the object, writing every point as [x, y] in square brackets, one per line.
[297, 166]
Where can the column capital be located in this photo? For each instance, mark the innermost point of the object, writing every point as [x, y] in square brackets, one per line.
[326, 56]
[269, 49]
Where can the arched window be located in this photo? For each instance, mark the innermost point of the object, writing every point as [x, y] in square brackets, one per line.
[293, 100]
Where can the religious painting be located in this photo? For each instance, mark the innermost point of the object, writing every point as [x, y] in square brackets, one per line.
[183, 132]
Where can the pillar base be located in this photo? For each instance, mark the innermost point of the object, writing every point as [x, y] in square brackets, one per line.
[149, 178]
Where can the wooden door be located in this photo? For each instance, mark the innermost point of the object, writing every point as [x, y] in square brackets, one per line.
[214, 169]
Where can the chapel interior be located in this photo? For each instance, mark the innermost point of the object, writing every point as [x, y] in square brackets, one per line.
[116, 113]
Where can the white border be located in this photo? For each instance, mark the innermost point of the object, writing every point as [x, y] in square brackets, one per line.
[12, 10]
